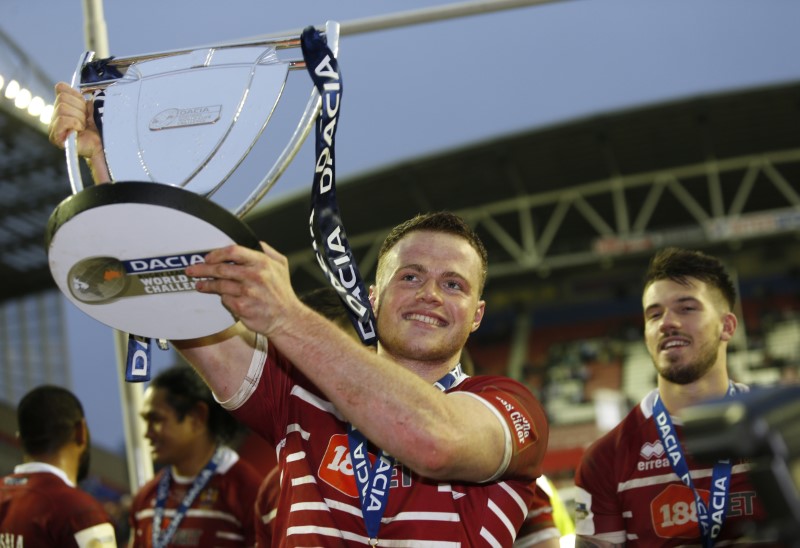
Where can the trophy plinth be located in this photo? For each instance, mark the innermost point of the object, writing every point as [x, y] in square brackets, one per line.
[129, 274]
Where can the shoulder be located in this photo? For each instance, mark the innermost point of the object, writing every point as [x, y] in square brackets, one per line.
[239, 476]
[629, 429]
[243, 471]
[506, 395]
[498, 390]
[612, 449]
[147, 490]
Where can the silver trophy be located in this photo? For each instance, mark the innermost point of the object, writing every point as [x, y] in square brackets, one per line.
[175, 127]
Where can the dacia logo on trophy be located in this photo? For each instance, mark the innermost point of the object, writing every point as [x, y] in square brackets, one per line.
[184, 117]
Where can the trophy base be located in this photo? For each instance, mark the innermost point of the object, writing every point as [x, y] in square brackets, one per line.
[119, 252]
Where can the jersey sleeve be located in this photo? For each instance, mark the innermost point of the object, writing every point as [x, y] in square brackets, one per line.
[248, 480]
[523, 418]
[597, 512]
[259, 402]
[101, 535]
[88, 520]
[539, 524]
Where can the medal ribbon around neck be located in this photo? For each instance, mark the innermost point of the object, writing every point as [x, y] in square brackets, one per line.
[709, 521]
[200, 481]
[373, 481]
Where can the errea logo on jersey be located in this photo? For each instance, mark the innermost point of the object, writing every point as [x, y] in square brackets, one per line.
[654, 457]
[650, 450]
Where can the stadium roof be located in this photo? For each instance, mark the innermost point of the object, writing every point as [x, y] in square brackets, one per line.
[718, 170]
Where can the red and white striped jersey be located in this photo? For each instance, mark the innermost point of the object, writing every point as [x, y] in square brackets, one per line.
[539, 524]
[39, 506]
[628, 493]
[318, 502]
[221, 515]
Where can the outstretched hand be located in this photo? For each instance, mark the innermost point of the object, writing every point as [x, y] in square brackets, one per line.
[255, 287]
[72, 112]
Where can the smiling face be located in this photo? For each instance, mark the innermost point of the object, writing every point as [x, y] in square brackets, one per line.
[171, 439]
[426, 300]
[687, 327]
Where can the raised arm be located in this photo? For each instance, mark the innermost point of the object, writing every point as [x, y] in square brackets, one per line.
[222, 359]
[440, 436]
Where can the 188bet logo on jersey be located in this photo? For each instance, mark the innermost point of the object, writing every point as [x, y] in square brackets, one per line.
[336, 468]
[674, 511]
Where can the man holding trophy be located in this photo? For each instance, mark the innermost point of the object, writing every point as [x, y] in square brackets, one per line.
[369, 451]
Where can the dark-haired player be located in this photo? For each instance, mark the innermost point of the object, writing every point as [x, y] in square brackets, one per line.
[636, 485]
[204, 494]
[40, 504]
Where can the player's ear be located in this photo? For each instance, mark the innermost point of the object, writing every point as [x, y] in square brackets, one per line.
[729, 323]
[479, 311]
[81, 433]
[372, 296]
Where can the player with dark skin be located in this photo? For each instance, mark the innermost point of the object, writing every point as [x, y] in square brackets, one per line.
[40, 504]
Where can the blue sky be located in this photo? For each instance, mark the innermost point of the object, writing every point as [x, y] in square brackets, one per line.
[428, 88]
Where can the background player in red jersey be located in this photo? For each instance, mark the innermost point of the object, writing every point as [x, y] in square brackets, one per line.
[204, 494]
[368, 449]
[40, 504]
[630, 491]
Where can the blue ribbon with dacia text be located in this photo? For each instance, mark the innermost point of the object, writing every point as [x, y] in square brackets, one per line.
[328, 237]
[711, 517]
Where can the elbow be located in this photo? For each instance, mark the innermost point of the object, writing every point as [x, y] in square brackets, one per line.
[436, 458]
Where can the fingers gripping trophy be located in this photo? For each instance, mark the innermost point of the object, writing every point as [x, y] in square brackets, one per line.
[175, 126]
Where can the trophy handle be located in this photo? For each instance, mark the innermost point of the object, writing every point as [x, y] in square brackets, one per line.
[71, 143]
[298, 137]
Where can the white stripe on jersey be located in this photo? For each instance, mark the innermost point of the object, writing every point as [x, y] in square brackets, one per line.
[301, 506]
[503, 518]
[423, 516]
[542, 510]
[514, 495]
[316, 401]
[300, 455]
[269, 516]
[417, 543]
[490, 539]
[672, 476]
[343, 507]
[293, 428]
[314, 530]
[192, 512]
[296, 428]
[230, 536]
[304, 480]
[331, 532]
